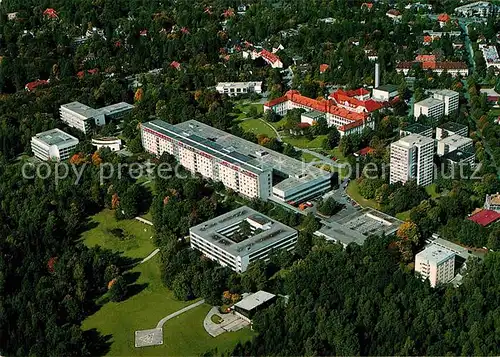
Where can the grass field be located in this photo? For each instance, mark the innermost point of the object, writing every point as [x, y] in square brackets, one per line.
[183, 335]
[353, 192]
[403, 215]
[138, 244]
[431, 190]
[302, 142]
[279, 124]
[244, 108]
[257, 127]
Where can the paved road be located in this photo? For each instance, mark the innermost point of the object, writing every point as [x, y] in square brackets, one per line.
[143, 220]
[153, 253]
[179, 312]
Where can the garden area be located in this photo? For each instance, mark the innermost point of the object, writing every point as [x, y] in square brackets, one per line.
[184, 335]
[257, 127]
[129, 236]
[303, 142]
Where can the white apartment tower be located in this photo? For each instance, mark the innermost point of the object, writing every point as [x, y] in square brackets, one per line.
[412, 158]
[449, 98]
[53, 144]
[435, 263]
[432, 108]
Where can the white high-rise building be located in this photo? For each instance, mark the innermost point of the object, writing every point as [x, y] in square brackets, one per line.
[450, 99]
[412, 158]
[432, 108]
[454, 142]
[435, 263]
[53, 144]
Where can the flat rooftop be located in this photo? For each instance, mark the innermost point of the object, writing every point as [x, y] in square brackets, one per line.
[429, 102]
[313, 114]
[435, 253]
[413, 139]
[456, 140]
[455, 248]
[458, 155]
[358, 226]
[239, 84]
[116, 108]
[81, 109]
[416, 128]
[298, 172]
[189, 137]
[452, 126]
[254, 300]
[445, 92]
[388, 88]
[56, 137]
[211, 231]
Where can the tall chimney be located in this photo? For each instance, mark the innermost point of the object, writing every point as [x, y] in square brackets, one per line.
[377, 75]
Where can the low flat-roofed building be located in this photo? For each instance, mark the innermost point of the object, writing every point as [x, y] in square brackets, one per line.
[311, 117]
[53, 144]
[492, 202]
[460, 157]
[114, 144]
[234, 89]
[416, 128]
[450, 128]
[484, 217]
[454, 142]
[435, 263]
[358, 226]
[385, 93]
[82, 117]
[478, 8]
[248, 306]
[240, 237]
[432, 108]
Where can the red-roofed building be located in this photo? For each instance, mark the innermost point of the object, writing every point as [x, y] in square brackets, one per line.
[143, 33]
[228, 13]
[485, 217]
[346, 121]
[367, 5]
[394, 14]
[365, 151]
[357, 100]
[33, 85]
[443, 19]
[438, 67]
[185, 31]
[425, 58]
[175, 65]
[51, 13]
[208, 10]
[271, 59]
[427, 40]
[323, 68]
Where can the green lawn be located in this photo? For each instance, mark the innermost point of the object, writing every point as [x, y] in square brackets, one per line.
[183, 335]
[138, 243]
[308, 157]
[494, 112]
[353, 192]
[302, 142]
[403, 215]
[279, 124]
[342, 171]
[431, 190]
[244, 108]
[338, 154]
[257, 127]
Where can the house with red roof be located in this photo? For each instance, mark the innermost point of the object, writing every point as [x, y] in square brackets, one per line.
[365, 151]
[31, 86]
[367, 5]
[92, 71]
[176, 65]
[394, 14]
[51, 13]
[185, 31]
[143, 33]
[323, 68]
[357, 100]
[228, 13]
[346, 121]
[271, 58]
[443, 19]
[484, 217]
[427, 40]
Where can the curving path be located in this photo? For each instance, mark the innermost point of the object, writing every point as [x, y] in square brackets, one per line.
[178, 312]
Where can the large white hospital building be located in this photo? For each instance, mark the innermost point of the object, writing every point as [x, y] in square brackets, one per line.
[245, 167]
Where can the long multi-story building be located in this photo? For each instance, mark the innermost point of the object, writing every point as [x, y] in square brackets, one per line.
[412, 158]
[245, 167]
[436, 264]
[476, 9]
[432, 108]
[348, 111]
[240, 237]
[83, 117]
[451, 128]
[53, 144]
[234, 89]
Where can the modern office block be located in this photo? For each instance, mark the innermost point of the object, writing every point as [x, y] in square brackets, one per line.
[53, 144]
[435, 263]
[449, 98]
[432, 108]
[454, 142]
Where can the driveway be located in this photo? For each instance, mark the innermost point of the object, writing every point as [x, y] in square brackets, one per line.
[230, 322]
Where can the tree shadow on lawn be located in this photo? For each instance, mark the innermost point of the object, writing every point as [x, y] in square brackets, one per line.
[132, 287]
[99, 344]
